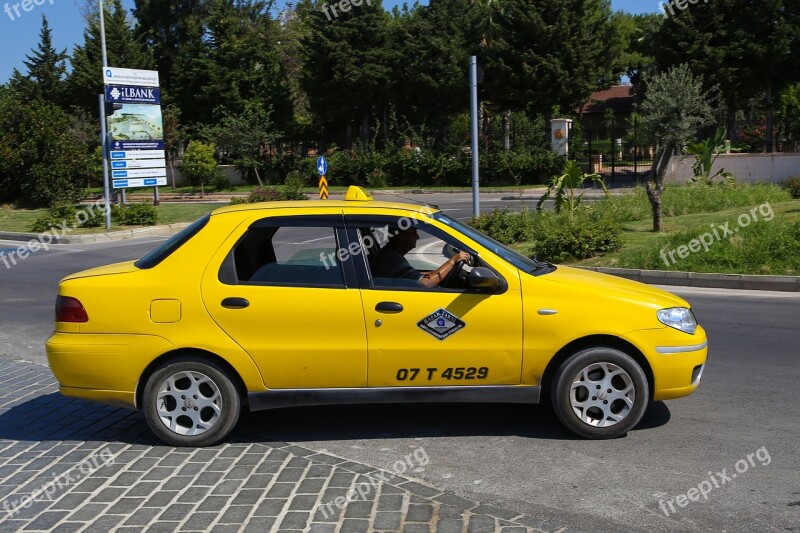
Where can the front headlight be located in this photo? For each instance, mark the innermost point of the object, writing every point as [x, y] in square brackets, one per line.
[679, 318]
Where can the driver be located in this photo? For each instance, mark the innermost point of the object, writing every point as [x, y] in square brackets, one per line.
[391, 262]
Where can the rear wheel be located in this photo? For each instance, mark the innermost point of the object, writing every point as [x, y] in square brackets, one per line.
[190, 402]
[600, 393]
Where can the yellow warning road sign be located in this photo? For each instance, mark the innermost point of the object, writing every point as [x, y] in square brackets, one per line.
[323, 188]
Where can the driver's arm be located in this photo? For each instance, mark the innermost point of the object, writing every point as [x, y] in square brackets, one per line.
[433, 279]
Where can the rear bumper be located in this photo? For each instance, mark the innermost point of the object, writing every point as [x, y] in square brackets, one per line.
[103, 368]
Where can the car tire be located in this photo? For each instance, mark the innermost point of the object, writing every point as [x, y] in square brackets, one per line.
[600, 393]
[191, 402]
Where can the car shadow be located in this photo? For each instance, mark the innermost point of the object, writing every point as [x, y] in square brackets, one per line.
[53, 417]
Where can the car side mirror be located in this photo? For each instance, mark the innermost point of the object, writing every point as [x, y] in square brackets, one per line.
[483, 278]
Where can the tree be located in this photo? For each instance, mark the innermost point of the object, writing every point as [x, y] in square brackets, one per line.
[241, 64]
[46, 69]
[173, 137]
[789, 113]
[563, 188]
[749, 49]
[676, 106]
[199, 164]
[548, 53]
[246, 136]
[43, 160]
[85, 82]
[347, 70]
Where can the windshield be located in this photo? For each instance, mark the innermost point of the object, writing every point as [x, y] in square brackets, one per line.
[526, 264]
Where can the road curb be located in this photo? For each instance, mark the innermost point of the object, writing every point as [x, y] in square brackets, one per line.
[164, 230]
[705, 280]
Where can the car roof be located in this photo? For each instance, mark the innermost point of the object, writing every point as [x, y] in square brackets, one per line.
[355, 198]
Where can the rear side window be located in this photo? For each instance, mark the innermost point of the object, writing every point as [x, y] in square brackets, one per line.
[166, 249]
[289, 256]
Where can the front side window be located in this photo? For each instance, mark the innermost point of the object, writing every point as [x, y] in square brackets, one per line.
[413, 255]
[288, 255]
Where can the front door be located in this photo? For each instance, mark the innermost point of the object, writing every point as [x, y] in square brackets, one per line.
[435, 336]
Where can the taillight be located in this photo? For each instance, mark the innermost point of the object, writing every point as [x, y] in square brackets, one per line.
[70, 310]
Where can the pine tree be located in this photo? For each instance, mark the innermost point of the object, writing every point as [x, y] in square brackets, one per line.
[124, 50]
[46, 68]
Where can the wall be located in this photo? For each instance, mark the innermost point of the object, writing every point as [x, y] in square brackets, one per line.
[746, 168]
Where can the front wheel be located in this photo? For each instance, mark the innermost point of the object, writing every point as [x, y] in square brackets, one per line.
[190, 402]
[600, 393]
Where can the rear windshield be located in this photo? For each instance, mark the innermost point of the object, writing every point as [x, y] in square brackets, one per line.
[168, 247]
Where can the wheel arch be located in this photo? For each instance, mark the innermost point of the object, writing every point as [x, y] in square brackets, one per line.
[596, 341]
[200, 355]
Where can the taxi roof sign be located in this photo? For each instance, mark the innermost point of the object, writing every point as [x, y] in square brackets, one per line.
[357, 194]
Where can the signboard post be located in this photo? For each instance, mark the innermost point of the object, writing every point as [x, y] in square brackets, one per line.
[322, 168]
[136, 130]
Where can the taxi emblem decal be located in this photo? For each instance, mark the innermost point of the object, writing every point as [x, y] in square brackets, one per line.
[441, 324]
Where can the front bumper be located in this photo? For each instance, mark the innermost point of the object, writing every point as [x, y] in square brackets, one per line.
[677, 359]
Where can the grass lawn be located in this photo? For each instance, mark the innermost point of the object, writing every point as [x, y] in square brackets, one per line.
[733, 254]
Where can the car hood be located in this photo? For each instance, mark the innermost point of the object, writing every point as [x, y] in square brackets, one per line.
[108, 270]
[614, 286]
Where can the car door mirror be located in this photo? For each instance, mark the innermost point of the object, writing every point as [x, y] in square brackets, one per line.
[483, 278]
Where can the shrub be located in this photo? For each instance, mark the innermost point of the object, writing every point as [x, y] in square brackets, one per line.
[238, 200]
[222, 183]
[555, 237]
[264, 194]
[793, 186]
[141, 214]
[561, 238]
[65, 213]
[293, 188]
[508, 228]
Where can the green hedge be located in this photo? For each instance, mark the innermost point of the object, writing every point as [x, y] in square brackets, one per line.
[400, 168]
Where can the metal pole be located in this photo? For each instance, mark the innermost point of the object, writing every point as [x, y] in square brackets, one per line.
[473, 93]
[103, 126]
[103, 34]
[104, 142]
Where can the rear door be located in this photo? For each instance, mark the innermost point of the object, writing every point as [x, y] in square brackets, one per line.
[277, 288]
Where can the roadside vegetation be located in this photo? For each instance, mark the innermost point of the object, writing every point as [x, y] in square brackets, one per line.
[617, 231]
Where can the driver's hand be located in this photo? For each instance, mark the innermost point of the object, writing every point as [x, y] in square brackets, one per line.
[462, 256]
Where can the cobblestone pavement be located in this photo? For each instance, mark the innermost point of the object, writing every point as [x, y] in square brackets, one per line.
[67, 465]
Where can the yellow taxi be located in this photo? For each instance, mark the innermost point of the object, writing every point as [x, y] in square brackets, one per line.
[264, 306]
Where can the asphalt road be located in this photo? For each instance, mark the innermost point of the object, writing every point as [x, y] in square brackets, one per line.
[518, 456]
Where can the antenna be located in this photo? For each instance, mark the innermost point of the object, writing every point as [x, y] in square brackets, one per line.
[412, 200]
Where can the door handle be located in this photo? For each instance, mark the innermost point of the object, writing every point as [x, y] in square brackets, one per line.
[235, 303]
[389, 307]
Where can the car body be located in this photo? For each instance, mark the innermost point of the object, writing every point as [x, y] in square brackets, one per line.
[269, 305]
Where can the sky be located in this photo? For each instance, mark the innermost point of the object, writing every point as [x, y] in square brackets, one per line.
[20, 34]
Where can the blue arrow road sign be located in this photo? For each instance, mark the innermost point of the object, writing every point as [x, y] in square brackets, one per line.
[322, 166]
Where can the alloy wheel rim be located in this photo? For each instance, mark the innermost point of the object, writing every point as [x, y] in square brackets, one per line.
[189, 403]
[602, 395]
